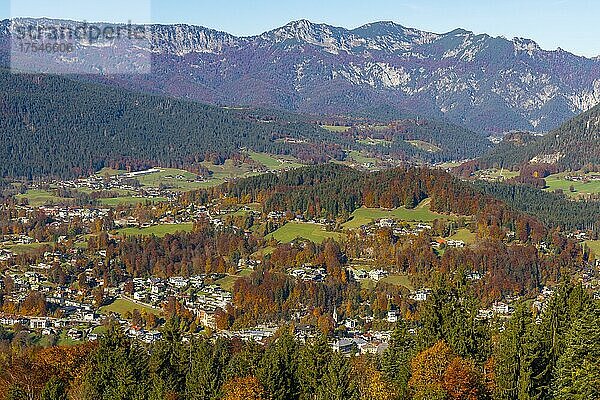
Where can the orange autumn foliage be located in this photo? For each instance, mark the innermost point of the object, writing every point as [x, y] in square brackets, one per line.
[438, 370]
[248, 388]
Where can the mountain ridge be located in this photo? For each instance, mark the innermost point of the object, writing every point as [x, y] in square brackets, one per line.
[488, 84]
[572, 146]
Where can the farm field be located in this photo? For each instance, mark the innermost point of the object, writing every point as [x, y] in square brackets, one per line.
[228, 282]
[558, 181]
[37, 198]
[176, 178]
[26, 248]
[395, 279]
[375, 142]
[182, 180]
[360, 158]
[496, 174]
[399, 280]
[313, 232]
[273, 163]
[425, 146]
[421, 213]
[594, 245]
[122, 306]
[335, 128]
[465, 235]
[156, 230]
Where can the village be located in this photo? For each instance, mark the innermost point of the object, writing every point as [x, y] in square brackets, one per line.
[69, 314]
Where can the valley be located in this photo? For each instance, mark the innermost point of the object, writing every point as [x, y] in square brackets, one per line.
[304, 212]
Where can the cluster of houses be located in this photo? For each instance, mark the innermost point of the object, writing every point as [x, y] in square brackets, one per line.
[583, 178]
[398, 228]
[308, 273]
[124, 182]
[360, 274]
[194, 293]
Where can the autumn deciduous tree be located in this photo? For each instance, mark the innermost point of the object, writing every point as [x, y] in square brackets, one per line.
[438, 373]
[427, 370]
[461, 380]
[248, 388]
[372, 384]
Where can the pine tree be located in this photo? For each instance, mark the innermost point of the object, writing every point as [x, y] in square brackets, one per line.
[55, 389]
[337, 384]
[167, 363]
[510, 374]
[206, 372]
[396, 359]
[578, 368]
[118, 369]
[278, 369]
[314, 359]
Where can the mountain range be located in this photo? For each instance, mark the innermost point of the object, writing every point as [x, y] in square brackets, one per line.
[487, 84]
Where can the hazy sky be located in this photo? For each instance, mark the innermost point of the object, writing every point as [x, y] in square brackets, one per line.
[570, 24]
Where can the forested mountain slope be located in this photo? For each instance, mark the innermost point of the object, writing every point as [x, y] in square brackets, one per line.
[53, 126]
[573, 145]
[336, 191]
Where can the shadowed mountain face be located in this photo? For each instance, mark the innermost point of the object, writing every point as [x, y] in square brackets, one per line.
[487, 84]
[571, 146]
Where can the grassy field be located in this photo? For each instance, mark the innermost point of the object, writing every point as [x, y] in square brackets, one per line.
[335, 128]
[273, 163]
[122, 306]
[399, 280]
[175, 178]
[26, 248]
[156, 230]
[395, 279]
[110, 172]
[448, 164]
[558, 181]
[38, 198]
[129, 200]
[360, 158]
[465, 235]
[498, 174]
[313, 232]
[375, 142]
[263, 252]
[419, 144]
[184, 181]
[421, 213]
[594, 245]
[228, 282]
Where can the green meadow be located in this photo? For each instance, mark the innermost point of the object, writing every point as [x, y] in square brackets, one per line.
[26, 248]
[425, 146]
[421, 213]
[37, 198]
[228, 282]
[360, 158]
[465, 235]
[335, 128]
[122, 306]
[130, 200]
[273, 163]
[558, 181]
[394, 279]
[594, 246]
